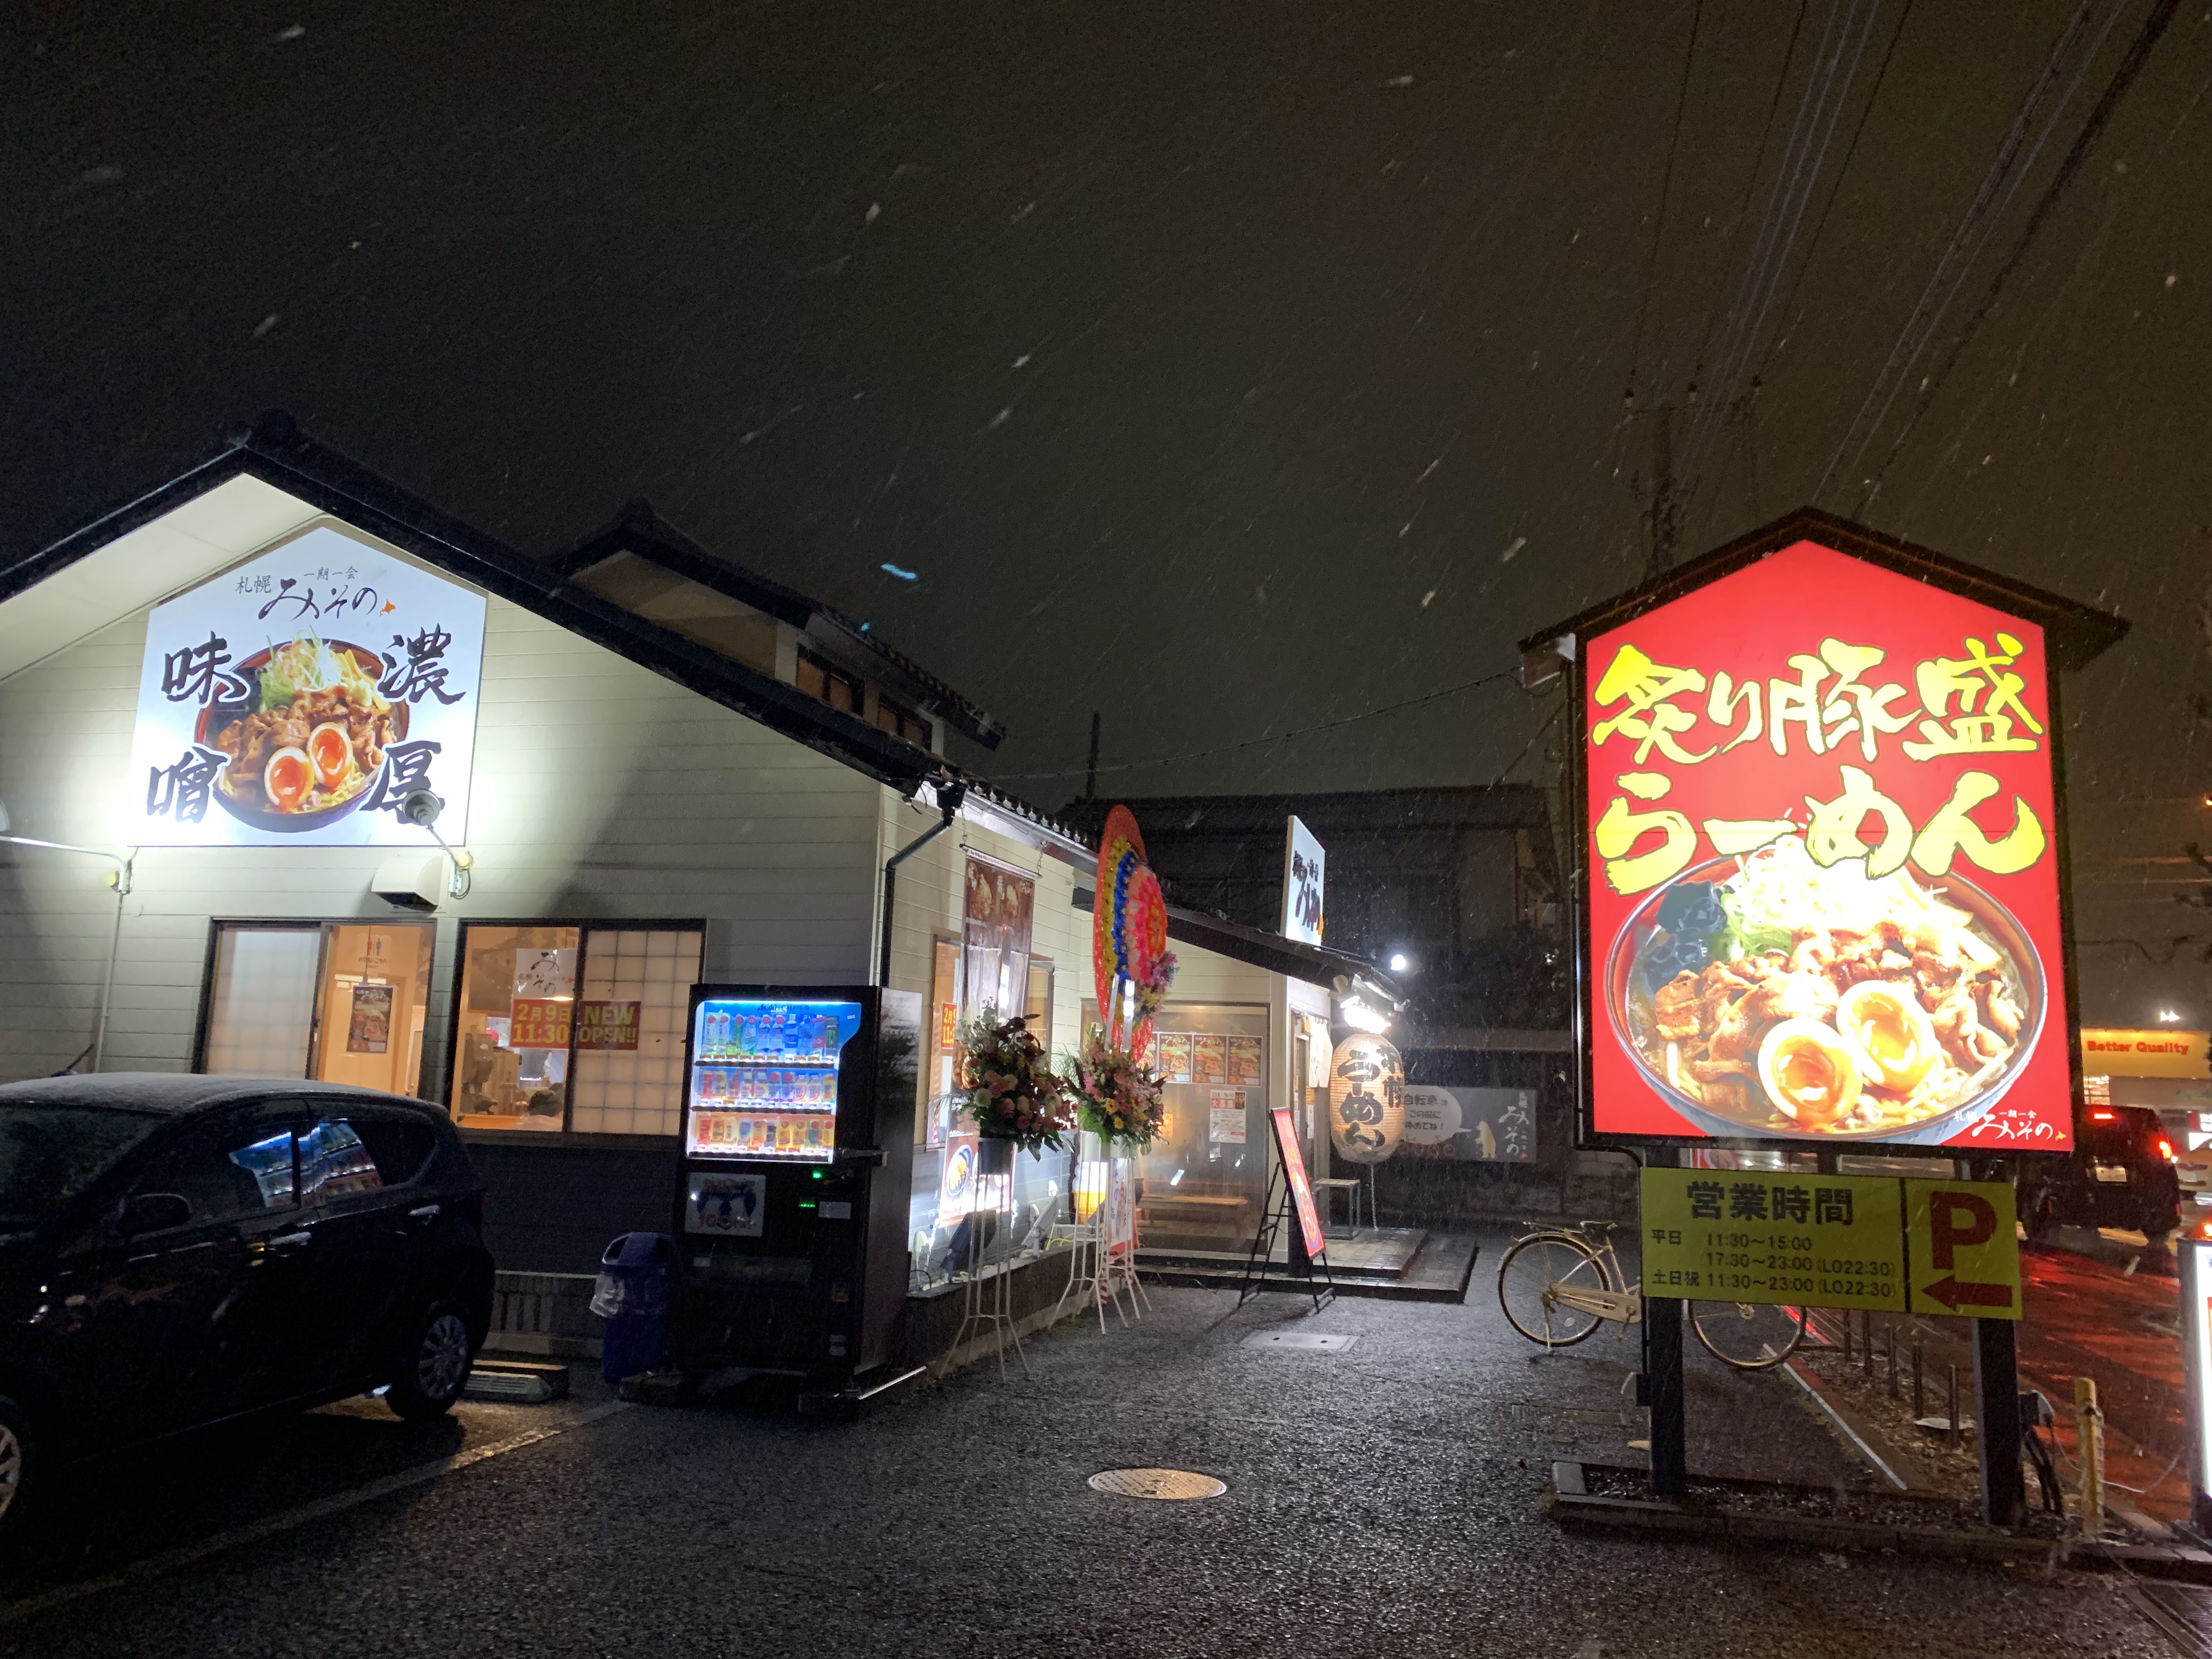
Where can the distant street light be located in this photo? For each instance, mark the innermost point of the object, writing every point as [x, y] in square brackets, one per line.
[1400, 961]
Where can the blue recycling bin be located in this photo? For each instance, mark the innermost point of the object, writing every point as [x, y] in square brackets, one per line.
[632, 1297]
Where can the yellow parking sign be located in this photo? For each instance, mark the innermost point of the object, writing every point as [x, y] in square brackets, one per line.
[1963, 1248]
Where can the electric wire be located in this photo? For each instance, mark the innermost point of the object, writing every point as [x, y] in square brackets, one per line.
[1812, 157]
[1843, 172]
[1951, 267]
[2100, 117]
[1666, 184]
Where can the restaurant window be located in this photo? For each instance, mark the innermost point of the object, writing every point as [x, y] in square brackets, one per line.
[576, 1028]
[339, 1002]
[817, 678]
[900, 721]
[1204, 1178]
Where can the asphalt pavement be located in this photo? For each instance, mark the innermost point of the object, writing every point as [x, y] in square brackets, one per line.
[1381, 1501]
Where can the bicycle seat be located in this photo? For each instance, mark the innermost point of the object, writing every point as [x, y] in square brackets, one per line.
[1597, 1227]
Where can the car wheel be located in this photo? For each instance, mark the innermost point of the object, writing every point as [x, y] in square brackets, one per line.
[435, 1366]
[17, 1464]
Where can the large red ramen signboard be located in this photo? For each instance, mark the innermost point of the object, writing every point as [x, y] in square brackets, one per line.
[1823, 894]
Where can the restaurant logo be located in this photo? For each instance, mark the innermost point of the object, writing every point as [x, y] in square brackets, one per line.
[1305, 867]
[299, 698]
[1824, 903]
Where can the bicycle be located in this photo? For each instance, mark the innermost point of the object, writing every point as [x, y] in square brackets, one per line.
[1558, 1285]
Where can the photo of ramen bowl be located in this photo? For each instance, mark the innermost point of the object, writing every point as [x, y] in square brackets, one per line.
[306, 742]
[1764, 997]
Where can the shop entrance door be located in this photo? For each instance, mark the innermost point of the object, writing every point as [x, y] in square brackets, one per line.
[336, 1001]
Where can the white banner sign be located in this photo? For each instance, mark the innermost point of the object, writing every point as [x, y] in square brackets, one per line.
[1304, 864]
[1484, 1125]
[296, 700]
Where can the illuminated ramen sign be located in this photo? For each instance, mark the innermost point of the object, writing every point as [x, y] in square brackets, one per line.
[1823, 898]
[297, 699]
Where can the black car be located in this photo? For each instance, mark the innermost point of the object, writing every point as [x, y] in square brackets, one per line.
[175, 1250]
[2121, 1175]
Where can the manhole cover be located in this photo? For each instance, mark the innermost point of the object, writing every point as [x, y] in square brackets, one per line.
[1309, 1341]
[1156, 1483]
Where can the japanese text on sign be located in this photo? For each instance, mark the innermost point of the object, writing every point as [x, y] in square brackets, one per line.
[1875, 1241]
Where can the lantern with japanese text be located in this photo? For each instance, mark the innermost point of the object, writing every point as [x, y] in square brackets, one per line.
[1366, 1099]
[1820, 802]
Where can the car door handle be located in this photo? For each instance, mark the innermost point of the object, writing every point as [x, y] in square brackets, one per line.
[425, 1211]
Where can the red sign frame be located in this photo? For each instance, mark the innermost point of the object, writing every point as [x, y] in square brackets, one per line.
[1884, 722]
[1294, 1172]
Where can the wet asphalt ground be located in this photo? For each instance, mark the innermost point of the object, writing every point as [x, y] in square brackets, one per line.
[1382, 1501]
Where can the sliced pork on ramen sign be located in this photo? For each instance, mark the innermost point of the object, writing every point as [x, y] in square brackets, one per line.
[1820, 817]
[299, 697]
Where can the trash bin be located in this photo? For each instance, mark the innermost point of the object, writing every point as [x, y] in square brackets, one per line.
[632, 1297]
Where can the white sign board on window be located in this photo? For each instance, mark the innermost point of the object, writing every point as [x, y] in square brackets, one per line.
[297, 699]
[1303, 862]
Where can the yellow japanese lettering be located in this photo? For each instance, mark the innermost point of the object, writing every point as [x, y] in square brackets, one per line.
[1833, 834]
[1650, 718]
[1732, 835]
[1951, 832]
[1621, 827]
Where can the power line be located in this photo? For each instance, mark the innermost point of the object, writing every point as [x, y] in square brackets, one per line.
[2153, 27]
[1843, 171]
[1995, 193]
[1666, 184]
[1279, 736]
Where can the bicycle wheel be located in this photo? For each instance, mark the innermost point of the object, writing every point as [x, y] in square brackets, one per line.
[1748, 1335]
[1528, 1275]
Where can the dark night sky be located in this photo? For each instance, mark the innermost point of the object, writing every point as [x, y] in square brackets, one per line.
[1231, 368]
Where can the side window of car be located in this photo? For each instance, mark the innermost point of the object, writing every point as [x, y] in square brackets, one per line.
[335, 1163]
[400, 1148]
[226, 1174]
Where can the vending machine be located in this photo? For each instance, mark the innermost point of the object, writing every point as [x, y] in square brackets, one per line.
[790, 1211]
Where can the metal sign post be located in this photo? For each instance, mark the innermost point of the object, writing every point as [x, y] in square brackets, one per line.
[1662, 1378]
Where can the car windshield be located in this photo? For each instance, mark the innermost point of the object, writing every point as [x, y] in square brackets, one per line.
[49, 1154]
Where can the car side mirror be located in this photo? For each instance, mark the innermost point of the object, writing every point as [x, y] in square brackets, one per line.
[152, 1213]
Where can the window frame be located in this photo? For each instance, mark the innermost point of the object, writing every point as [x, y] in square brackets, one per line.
[831, 674]
[563, 1136]
[902, 715]
[325, 928]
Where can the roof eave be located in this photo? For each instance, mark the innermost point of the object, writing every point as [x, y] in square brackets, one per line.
[2076, 633]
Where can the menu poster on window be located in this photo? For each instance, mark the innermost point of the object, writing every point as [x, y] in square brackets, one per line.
[998, 911]
[368, 1028]
[298, 699]
[1244, 1054]
[606, 1025]
[539, 1022]
[1209, 1057]
[1171, 1053]
[1225, 1124]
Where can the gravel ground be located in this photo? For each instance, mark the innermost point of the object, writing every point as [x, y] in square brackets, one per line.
[1381, 1502]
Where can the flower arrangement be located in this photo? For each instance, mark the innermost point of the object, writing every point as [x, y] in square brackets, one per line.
[1153, 983]
[1116, 1097]
[1008, 1089]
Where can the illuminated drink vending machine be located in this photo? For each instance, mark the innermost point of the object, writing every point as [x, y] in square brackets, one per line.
[790, 1211]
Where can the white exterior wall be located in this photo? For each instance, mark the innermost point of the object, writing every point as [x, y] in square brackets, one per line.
[600, 790]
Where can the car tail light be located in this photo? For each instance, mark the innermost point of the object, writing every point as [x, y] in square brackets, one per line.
[2165, 1149]
[2102, 1117]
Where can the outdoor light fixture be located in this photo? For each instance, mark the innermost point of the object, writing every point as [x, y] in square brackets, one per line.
[2169, 1017]
[406, 884]
[1400, 961]
[1365, 1007]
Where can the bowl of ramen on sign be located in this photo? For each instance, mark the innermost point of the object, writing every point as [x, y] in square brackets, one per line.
[307, 743]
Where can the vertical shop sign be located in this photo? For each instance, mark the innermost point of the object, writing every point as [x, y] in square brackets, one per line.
[1304, 865]
[298, 699]
[1824, 899]
[1294, 1174]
